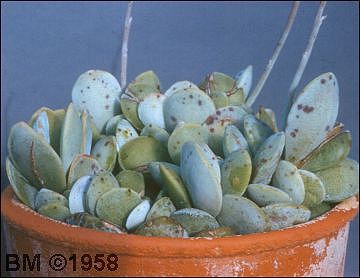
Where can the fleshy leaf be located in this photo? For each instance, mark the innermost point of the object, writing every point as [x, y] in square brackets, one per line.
[243, 215]
[312, 115]
[38, 161]
[200, 178]
[189, 107]
[340, 181]
[21, 187]
[141, 151]
[244, 80]
[150, 110]
[98, 93]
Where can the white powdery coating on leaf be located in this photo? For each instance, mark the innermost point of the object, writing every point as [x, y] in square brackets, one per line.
[138, 215]
[150, 110]
[180, 85]
[98, 93]
[312, 115]
[77, 194]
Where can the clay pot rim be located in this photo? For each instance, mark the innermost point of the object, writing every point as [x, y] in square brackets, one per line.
[59, 233]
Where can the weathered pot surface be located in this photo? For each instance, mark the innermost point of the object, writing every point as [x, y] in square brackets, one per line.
[316, 248]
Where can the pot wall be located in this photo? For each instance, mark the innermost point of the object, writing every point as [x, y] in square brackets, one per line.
[317, 248]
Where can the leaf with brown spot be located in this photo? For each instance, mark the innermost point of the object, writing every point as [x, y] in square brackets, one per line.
[317, 107]
[101, 102]
[216, 124]
[108, 152]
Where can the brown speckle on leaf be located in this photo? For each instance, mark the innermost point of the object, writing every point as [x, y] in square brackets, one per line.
[293, 134]
[296, 130]
[106, 107]
[83, 101]
[323, 81]
[292, 173]
[218, 112]
[173, 118]
[200, 102]
[231, 109]
[212, 130]
[299, 107]
[107, 96]
[209, 120]
[191, 96]
[327, 128]
[102, 179]
[297, 116]
[330, 76]
[88, 87]
[97, 155]
[107, 143]
[308, 109]
[263, 160]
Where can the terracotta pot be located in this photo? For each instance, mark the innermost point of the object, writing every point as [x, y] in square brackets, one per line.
[316, 248]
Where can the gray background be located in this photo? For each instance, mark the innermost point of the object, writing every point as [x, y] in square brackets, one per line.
[45, 46]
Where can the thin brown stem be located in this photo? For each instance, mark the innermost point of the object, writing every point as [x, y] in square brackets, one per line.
[251, 99]
[306, 55]
[125, 42]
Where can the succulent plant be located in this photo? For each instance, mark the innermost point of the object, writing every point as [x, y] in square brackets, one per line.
[192, 161]
[219, 168]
